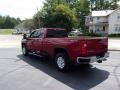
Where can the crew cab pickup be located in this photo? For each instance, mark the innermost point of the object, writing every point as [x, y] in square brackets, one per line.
[64, 49]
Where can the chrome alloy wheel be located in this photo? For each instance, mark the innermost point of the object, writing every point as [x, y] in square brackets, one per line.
[61, 62]
[24, 50]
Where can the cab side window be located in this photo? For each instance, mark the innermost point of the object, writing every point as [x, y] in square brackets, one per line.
[40, 34]
[37, 34]
[33, 34]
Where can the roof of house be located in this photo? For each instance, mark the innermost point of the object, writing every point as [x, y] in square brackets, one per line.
[102, 13]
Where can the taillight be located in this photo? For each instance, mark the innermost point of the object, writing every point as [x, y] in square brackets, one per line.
[83, 47]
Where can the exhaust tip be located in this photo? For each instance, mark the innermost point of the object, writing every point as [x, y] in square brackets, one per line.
[100, 61]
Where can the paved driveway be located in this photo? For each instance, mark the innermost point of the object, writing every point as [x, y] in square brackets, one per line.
[30, 73]
[114, 44]
[10, 41]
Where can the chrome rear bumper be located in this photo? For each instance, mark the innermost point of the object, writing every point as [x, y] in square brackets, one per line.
[92, 59]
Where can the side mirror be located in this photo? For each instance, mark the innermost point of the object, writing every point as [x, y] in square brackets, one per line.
[24, 36]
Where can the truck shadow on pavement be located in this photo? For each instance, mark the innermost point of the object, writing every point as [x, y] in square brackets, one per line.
[80, 77]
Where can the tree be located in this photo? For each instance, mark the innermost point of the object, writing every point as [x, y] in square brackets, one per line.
[55, 13]
[62, 17]
[50, 14]
[114, 4]
[28, 24]
[1, 22]
[92, 4]
[7, 22]
[38, 19]
[71, 3]
[103, 4]
[43, 16]
[82, 10]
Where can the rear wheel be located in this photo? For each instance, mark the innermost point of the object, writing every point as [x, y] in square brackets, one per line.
[62, 62]
[24, 50]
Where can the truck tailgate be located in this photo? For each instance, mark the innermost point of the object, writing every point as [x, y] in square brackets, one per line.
[98, 45]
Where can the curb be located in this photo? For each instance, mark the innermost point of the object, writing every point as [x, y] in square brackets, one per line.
[113, 50]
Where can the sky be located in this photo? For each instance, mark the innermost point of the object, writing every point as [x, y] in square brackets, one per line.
[24, 9]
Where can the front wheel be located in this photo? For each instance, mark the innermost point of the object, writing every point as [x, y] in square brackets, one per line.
[62, 62]
[24, 50]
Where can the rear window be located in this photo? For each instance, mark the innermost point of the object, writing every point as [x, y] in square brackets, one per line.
[56, 33]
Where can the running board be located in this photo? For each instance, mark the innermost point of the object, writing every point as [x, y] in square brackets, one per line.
[36, 55]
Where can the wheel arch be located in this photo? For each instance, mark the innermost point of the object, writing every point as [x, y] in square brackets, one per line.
[23, 44]
[60, 50]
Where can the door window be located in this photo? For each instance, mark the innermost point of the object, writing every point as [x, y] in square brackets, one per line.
[33, 34]
[40, 34]
[37, 34]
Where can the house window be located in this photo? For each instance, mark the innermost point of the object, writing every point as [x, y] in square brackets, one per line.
[91, 19]
[98, 18]
[116, 29]
[119, 29]
[98, 30]
[104, 28]
[118, 17]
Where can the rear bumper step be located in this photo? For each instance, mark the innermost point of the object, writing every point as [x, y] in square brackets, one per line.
[92, 59]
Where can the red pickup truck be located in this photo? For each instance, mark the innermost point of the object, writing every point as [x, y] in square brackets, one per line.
[64, 49]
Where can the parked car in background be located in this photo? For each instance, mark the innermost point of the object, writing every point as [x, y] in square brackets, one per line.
[20, 31]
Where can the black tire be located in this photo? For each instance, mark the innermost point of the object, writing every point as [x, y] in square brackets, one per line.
[24, 50]
[65, 66]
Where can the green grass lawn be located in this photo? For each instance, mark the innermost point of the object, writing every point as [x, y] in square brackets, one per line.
[5, 31]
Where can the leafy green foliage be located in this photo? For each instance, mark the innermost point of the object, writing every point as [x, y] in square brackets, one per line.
[40, 18]
[27, 24]
[5, 31]
[65, 13]
[103, 4]
[82, 10]
[114, 35]
[62, 17]
[7, 22]
[58, 16]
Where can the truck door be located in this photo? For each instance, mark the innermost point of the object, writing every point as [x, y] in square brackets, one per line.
[38, 41]
[30, 40]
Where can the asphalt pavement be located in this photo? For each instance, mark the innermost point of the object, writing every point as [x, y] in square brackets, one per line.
[18, 72]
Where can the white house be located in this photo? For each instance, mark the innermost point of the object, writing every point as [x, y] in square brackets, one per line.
[104, 21]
